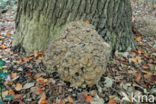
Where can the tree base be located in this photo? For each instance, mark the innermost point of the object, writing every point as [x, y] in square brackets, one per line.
[39, 22]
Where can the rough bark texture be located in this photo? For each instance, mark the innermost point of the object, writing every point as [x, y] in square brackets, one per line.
[39, 21]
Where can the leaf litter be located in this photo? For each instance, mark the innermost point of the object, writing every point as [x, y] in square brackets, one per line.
[27, 81]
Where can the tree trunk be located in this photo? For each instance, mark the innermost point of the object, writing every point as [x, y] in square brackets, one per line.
[40, 21]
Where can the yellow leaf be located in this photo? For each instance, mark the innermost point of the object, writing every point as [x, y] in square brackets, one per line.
[138, 39]
[18, 87]
[36, 53]
[3, 46]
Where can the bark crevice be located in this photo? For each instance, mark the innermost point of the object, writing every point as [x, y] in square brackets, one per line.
[40, 21]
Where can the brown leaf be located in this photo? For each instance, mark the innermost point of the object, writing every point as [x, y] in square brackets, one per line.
[89, 99]
[86, 21]
[142, 51]
[18, 87]
[93, 92]
[81, 98]
[41, 80]
[3, 47]
[38, 91]
[138, 77]
[44, 102]
[60, 90]
[147, 76]
[21, 60]
[85, 94]
[137, 59]
[11, 92]
[146, 66]
[26, 59]
[60, 101]
[43, 97]
[38, 75]
[9, 34]
[21, 102]
[30, 75]
[112, 102]
[153, 78]
[19, 96]
[70, 100]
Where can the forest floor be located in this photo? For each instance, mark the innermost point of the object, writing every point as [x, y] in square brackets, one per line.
[130, 75]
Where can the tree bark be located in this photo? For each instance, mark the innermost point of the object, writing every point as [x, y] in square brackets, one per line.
[40, 21]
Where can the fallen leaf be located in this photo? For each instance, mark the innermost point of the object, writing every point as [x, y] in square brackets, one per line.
[93, 92]
[43, 98]
[3, 47]
[38, 75]
[28, 85]
[41, 80]
[37, 91]
[146, 66]
[30, 75]
[142, 51]
[4, 93]
[137, 59]
[26, 59]
[60, 101]
[44, 102]
[18, 87]
[81, 98]
[36, 53]
[85, 93]
[20, 69]
[145, 55]
[13, 75]
[9, 34]
[138, 77]
[153, 78]
[21, 102]
[147, 76]
[86, 21]
[112, 101]
[70, 100]
[89, 99]
[139, 38]
[11, 92]
[19, 96]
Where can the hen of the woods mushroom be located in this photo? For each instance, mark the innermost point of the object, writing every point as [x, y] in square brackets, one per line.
[79, 56]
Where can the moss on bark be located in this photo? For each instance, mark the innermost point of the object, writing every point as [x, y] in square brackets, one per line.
[40, 21]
